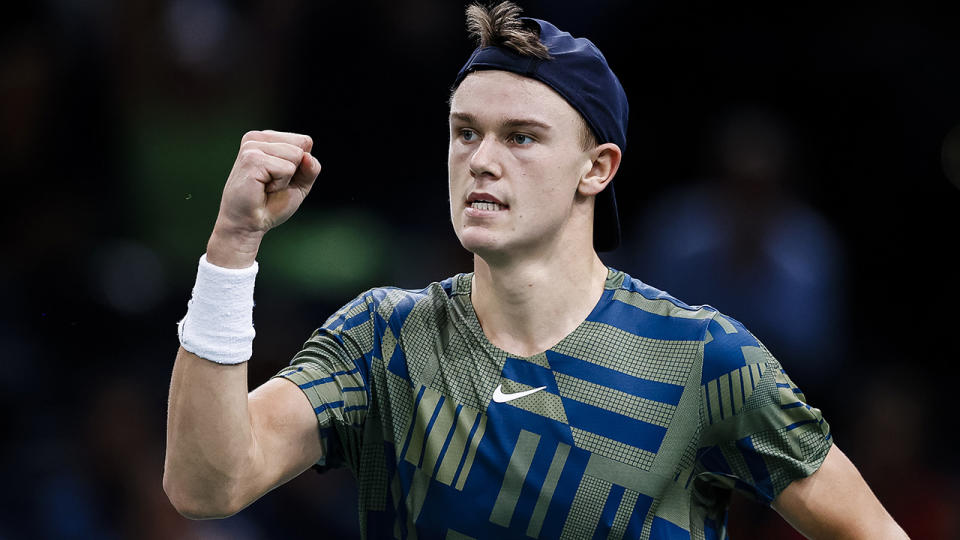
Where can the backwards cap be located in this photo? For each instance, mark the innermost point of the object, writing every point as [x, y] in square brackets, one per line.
[580, 74]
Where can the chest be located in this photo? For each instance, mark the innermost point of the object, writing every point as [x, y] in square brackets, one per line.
[549, 446]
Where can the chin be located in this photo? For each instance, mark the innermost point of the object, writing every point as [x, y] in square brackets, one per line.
[494, 249]
[476, 244]
[480, 242]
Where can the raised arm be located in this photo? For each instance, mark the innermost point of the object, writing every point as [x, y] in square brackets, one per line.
[225, 447]
[836, 503]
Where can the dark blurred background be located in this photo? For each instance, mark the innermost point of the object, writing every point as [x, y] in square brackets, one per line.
[796, 166]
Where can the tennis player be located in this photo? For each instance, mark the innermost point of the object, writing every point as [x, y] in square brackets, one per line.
[543, 394]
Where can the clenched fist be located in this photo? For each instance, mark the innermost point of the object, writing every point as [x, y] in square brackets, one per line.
[273, 173]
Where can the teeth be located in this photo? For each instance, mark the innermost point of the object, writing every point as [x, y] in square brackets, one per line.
[486, 205]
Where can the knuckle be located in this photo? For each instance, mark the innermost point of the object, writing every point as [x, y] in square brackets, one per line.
[250, 156]
[251, 136]
[293, 151]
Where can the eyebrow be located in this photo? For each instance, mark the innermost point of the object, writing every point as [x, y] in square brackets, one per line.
[468, 118]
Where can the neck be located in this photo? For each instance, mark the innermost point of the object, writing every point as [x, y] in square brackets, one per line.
[527, 307]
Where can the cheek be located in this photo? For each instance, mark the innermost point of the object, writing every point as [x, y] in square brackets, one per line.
[457, 165]
[553, 198]
[567, 178]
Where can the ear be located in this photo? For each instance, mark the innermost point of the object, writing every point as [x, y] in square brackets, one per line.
[604, 162]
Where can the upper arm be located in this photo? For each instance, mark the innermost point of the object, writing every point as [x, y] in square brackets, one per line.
[286, 437]
[759, 434]
[835, 502]
[302, 416]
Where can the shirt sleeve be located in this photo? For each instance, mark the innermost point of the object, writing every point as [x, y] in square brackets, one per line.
[758, 432]
[331, 369]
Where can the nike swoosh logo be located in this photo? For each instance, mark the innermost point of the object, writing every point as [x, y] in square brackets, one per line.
[500, 397]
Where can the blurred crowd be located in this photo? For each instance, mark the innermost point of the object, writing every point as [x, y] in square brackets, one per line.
[797, 170]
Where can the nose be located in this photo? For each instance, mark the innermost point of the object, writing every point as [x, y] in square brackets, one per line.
[484, 161]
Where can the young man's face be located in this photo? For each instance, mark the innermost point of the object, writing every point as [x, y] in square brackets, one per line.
[515, 162]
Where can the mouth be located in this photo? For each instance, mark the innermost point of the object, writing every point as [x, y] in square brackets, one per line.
[485, 202]
[487, 206]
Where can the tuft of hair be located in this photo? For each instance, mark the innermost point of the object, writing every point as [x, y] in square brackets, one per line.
[500, 26]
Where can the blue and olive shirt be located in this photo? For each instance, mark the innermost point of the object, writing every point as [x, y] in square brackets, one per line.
[638, 424]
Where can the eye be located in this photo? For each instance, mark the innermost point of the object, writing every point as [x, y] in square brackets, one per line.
[468, 135]
[521, 139]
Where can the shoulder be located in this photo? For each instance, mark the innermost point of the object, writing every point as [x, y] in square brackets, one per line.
[643, 310]
[393, 305]
[646, 310]
[729, 347]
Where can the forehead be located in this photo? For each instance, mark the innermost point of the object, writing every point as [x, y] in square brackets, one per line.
[495, 93]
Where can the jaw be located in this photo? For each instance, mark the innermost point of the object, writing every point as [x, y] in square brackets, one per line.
[479, 237]
[503, 243]
[480, 226]
[527, 238]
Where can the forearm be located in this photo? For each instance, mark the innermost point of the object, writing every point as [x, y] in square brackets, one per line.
[210, 442]
[210, 439]
[225, 448]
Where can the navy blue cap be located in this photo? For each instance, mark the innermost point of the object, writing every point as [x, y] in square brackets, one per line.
[580, 74]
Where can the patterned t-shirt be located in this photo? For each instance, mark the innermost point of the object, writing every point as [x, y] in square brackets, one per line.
[638, 424]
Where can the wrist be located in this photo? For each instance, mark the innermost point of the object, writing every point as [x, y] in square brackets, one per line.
[218, 325]
[230, 249]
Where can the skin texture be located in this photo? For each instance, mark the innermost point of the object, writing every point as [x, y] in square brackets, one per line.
[517, 140]
[514, 140]
[835, 502]
[226, 448]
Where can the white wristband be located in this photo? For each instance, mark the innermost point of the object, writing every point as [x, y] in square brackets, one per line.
[218, 325]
